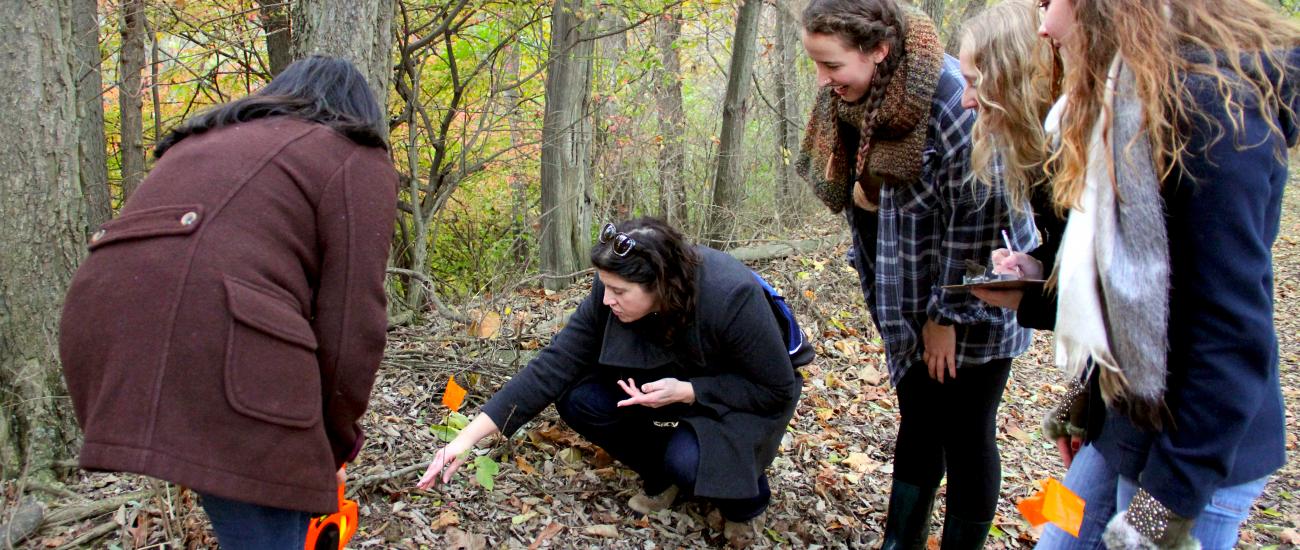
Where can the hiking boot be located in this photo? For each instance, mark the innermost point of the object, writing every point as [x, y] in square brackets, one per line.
[645, 504]
[741, 534]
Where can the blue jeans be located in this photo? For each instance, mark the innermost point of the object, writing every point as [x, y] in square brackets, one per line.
[1093, 480]
[1105, 493]
[1216, 527]
[246, 526]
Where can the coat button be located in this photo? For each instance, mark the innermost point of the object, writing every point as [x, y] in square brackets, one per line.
[97, 236]
[189, 218]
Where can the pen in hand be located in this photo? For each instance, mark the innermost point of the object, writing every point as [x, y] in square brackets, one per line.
[1010, 252]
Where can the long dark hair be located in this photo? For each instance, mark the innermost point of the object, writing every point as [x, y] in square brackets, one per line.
[326, 90]
[863, 24]
[661, 261]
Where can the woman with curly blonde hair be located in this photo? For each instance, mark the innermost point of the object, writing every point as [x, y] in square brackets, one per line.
[1175, 130]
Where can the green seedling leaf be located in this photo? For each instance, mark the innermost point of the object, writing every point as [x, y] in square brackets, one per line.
[444, 433]
[457, 421]
[485, 471]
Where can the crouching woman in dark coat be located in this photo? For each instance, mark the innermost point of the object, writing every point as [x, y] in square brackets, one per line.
[670, 332]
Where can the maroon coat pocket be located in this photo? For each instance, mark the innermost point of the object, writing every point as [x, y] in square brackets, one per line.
[271, 371]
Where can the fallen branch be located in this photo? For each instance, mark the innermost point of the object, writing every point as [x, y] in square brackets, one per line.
[69, 514]
[781, 249]
[22, 523]
[98, 531]
[369, 480]
[49, 489]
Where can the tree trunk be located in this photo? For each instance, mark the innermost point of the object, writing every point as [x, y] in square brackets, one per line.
[729, 182]
[672, 120]
[787, 135]
[616, 188]
[517, 177]
[935, 9]
[279, 37]
[130, 96]
[90, 113]
[360, 31]
[42, 225]
[566, 147]
[954, 33]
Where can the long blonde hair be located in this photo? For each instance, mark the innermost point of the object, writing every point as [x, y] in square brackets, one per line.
[1016, 81]
[1164, 42]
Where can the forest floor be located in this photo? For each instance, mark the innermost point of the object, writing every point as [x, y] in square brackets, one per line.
[830, 481]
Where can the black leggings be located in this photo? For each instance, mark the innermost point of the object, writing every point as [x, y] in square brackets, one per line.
[956, 420]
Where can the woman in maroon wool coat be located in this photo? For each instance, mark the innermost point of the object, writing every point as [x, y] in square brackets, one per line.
[225, 330]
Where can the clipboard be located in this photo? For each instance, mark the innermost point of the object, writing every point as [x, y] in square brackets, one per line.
[1004, 284]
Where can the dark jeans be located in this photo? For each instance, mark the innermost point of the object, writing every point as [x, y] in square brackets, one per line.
[956, 420]
[245, 526]
[662, 456]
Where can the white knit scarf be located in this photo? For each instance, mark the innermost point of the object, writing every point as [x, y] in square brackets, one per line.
[1113, 265]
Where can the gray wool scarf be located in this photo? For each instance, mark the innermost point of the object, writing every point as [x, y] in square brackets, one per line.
[1114, 269]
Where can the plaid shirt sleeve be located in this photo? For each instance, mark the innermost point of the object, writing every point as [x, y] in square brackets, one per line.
[975, 213]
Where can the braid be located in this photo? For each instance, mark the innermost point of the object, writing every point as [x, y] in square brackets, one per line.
[875, 97]
[865, 24]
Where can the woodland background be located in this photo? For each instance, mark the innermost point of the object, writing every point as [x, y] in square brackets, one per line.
[518, 128]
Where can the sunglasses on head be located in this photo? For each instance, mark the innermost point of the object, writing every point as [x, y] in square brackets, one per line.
[622, 243]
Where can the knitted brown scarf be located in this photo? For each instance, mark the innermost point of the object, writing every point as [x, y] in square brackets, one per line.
[894, 152]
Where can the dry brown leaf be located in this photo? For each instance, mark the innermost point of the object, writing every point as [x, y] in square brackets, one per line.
[486, 326]
[608, 531]
[570, 456]
[445, 519]
[461, 540]
[871, 375]
[1015, 431]
[524, 466]
[861, 462]
[551, 529]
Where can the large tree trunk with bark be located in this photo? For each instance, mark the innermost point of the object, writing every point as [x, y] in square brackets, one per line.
[42, 225]
[566, 147]
[790, 193]
[90, 114]
[729, 181]
[279, 37]
[360, 31]
[131, 95]
[672, 120]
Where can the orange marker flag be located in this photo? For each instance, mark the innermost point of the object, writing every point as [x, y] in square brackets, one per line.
[1055, 503]
[454, 396]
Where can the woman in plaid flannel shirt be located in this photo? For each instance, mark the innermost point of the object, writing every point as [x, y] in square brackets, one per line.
[888, 143]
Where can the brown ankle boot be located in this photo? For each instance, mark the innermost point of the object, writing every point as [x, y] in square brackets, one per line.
[646, 504]
[741, 534]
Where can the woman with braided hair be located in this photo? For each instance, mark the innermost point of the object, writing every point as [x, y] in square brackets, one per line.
[888, 143]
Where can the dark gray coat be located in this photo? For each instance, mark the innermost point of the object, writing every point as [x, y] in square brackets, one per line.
[733, 355]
